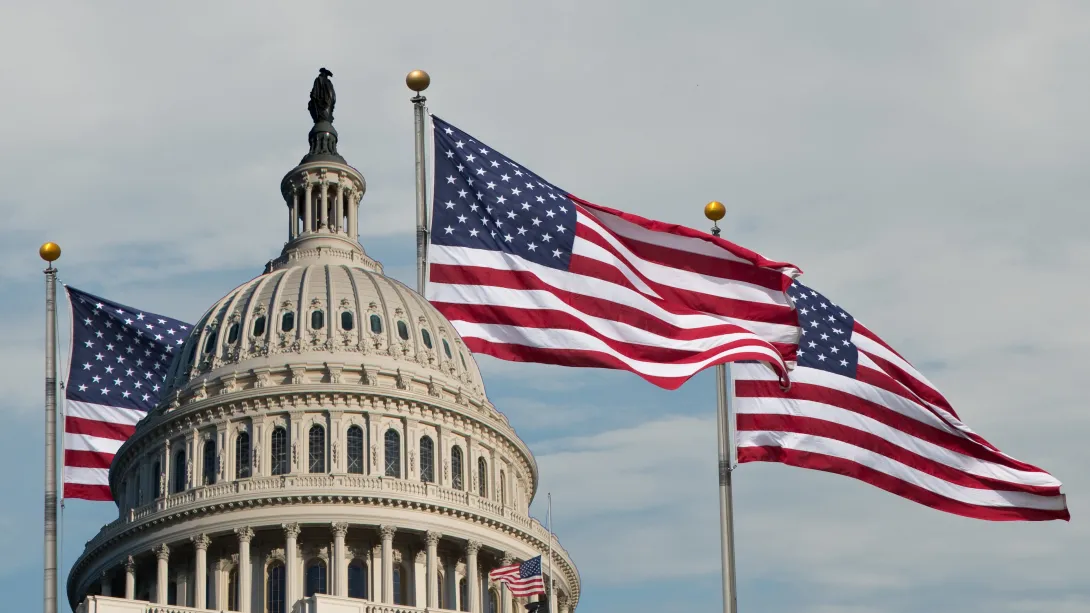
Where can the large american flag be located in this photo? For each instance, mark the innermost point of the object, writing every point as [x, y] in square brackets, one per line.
[119, 362]
[857, 408]
[523, 579]
[528, 272]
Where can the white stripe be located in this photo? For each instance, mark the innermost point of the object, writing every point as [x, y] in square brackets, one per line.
[102, 412]
[86, 476]
[610, 328]
[554, 338]
[587, 286]
[880, 463]
[84, 442]
[674, 277]
[908, 442]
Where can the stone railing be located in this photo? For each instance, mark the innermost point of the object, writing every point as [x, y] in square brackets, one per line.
[319, 603]
[325, 485]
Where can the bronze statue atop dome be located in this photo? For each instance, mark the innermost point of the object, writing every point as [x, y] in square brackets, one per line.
[322, 98]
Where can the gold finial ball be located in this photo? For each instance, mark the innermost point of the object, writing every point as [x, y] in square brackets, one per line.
[418, 80]
[715, 210]
[50, 252]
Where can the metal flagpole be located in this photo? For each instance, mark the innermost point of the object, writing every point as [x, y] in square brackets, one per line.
[418, 81]
[50, 252]
[724, 427]
[549, 594]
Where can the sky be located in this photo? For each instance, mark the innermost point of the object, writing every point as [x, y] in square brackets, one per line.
[925, 164]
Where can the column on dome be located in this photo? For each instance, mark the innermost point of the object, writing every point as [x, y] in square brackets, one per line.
[245, 573]
[473, 583]
[562, 603]
[291, 561]
[130, 578]
[353, 210]
[339, 568]
[200, 571]
[505, 592]
[181, 588]
[104, 586]
[293, 216]
[325, 202]
[308, 206]
[192, 474]
[431, 539]
[387, 533]
[162, 555]
[338, 208]
[450, 575]
[164, 472]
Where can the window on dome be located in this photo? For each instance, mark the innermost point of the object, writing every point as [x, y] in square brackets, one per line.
[376, 324]
[456, 467]
[317, 449]
[403, 330]
[279, 451]
[275, 591]
[463, 595]
[210, 342]
[156, 474]
[259, 326]
[427, 460]
[316, 578]
[503, 488]
[493, 601]
[427, 338]
[482, 477]
[179, 472]
[401, 591]
[355, 450]
[232, 333]
[242, 455]
[446, 350]
[393, 453]
[439, 582]
[463, 356]
[357, 579]
[287, 322]
[209, 463]
[317, 320]
[347, 321]
[232, 590]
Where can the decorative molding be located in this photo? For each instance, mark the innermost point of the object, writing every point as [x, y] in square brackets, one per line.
[244, 534]
[431, 538]
[130, 565]
[162, 552]
[387, 532]
[339, 529]
[201, 541]
[291, 530]
[472, 547]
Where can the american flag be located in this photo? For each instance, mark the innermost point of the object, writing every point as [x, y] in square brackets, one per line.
[522, 579]
[116, 372]
[528, 272]
[859, 409]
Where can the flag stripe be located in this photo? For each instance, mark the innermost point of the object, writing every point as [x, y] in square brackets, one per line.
[84, 491]
[87, 459]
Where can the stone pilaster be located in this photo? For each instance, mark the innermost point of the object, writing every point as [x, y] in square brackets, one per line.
[291, 562]
[473, 583]
[431, 539]
[339, 570]
[387, 533]
[200, 571]
[162, 555]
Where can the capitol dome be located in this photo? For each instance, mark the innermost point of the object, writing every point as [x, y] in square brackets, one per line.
[325, 444]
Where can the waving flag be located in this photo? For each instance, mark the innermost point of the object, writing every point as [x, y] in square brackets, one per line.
[523, 579]
[857, 408]
[528, 272]
[119, 362]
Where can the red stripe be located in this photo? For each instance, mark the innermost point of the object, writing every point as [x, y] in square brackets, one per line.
[87, 459]
[669, 228]
[83, 491]
[917, 387]
[879, 412]
[99, 429]
[815, 461]
[586, 359]
[872, 442]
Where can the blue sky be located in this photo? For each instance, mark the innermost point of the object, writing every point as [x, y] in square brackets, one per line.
[924, 163]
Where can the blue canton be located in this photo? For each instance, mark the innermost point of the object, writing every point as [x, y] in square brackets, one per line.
[483, 200]
[120, 355]
[825, 340]
[530, 568]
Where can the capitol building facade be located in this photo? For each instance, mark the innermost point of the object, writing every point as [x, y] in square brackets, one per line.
[326, 447]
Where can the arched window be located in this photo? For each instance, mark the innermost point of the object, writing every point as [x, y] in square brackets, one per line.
[317, 320]
[347, 321]
[287, 322]
[456, 467]
[463, 356]
[446, 349]
[357, 579]
[209, 462]
[355, 450]
[242, 455]
[482, 476]
[393, 453]
[493, 601]
[232, 590]
[463, 595]
[440, 581]
[274, 589]
[139, 489]
[179, 472]
[259, 326]
[317, 449]
[424, 334]
[427, 460]
[376, 324]
[232, 333]
[279, 451]
[503, 488]
[315, 578]
[157, 475]
[403, 330]
[401, 585]
[210, 342]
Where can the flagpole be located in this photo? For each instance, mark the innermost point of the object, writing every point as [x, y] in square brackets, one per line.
[50, 252]
[418, 81]
[549, 594]
[724, 427]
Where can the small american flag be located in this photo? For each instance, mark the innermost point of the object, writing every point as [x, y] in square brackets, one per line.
[522, 579]
[528, 272]
[119, 362]
[859, 409]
